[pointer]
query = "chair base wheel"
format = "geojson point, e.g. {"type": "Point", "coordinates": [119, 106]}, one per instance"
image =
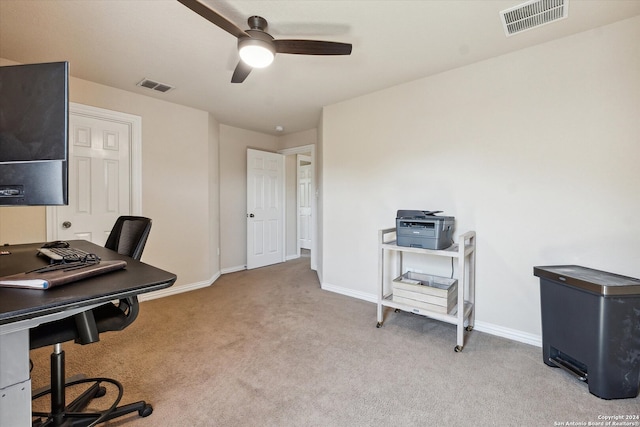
{"type": "Point", "coordinates": [101, 392]}
{"type": "Point", "coordinates": [74, 413]}
{"type": "Point", "coordinates": [146, 411]}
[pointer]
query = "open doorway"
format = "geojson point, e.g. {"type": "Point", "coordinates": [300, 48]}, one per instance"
{"type": "Point", "coordinates": [303, 193]}
{"type": "Point", "coordinates": [301, 203]}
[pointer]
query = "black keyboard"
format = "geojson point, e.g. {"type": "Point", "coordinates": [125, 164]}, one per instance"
{"type": "Point", "coordinates": [59, 254]}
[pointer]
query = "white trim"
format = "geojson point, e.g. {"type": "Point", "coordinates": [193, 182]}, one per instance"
{"type": "Point", "coordinates": [350, 293]}
{"type": "Point", "coordinates": [297, 216]}
{"type": "Point", "coordinates": [174, 290]}
{"type": "Point", "coordinates": [135, 151]}
{"type": "Point", "coordinates": [509, 333]}
{"type": "Point", "coordinates": [135, 128]}
{"type": "Point", "coordinates": [314, 214]}
{"type": "Point", "coordinates": [298, 150]}
{"type": "Point", "coordinates": [233, 269]}
{"type": "Point", "coordinates": [300, 158]}
{"type": "Point", "coordinates": [489, 328]}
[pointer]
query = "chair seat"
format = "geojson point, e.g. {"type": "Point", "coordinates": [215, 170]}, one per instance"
{"type": "Point", "coordinates": [107, 317]}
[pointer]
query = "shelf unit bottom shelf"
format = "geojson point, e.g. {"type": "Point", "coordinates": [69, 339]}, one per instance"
{"type": "Point", "coordinates": [451, 317]}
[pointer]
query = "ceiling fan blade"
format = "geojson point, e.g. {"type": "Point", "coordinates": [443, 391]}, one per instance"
{"type": "Point", "coordinates": [215, 17]}
{"type": "Point", "coordinates": [241, 72]}
{"type": "Point", "coordinates": [312, 47]}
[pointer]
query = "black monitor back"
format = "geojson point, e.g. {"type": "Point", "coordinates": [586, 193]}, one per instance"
{"type": "Point", "coordinates": [34, 134]}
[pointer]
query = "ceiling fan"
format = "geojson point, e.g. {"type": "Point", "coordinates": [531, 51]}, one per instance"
{"type": "Point", "coordinates": [257, 48]}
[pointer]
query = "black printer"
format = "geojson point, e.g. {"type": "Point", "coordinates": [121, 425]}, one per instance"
{"type": "Point", "coordinates": [423, 229]}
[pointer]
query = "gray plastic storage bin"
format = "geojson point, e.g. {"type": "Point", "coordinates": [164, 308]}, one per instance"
{"type": "Point", "coordinates": [591, 327]}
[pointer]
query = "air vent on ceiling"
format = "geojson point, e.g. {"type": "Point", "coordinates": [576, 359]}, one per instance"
{"type": "Point", "coordinates": [150, 84]}
{"type": "Point", "coordinates": [533, 14]}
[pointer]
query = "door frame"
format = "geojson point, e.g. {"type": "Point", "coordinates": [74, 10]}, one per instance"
{"type": "Point", "coordinates": [300, 158]}
{"type": "Point", "coordinates": [304, 149]}
{"type": "Point", "coordinates": [134, 123]}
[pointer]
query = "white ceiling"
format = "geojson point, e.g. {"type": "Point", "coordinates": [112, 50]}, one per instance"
{"type": "Point", "coordinates": [119, 42]}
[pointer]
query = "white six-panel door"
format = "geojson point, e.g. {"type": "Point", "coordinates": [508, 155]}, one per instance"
{"type": "Point", "coordinates": [265, 208]}
{"type": "Point", "coordinates": [99, 179]}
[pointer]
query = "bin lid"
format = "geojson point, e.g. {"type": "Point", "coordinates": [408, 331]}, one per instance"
{"type": "Point", "coordinates": [589, 279]}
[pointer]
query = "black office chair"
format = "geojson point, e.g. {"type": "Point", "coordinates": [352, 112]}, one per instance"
{"type": "Point", "coordinates": [128, 237]}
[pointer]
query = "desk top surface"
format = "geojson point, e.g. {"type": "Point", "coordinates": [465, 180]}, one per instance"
{"type": "Point", "coordinates": [19, 304]}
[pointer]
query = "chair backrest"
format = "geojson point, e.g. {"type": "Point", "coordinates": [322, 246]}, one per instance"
{"type": "Point", "coordinates": [129, 235]}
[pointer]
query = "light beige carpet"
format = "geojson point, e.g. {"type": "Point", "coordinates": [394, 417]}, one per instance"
{"type": "Point", "coordinates": [268, 347]}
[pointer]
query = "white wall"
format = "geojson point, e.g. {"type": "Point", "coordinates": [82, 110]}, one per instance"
{"type": "Point", "coordinates": [233, 191]}
{"type": "Point", "coordinates": [175, 177]}
{"type": "Point", "coordinates": [13, 219]}
{"type": "Point", "coordinates": [214, 197]}
{"type": "Point", "coordinates": [298, 139]}
{"type": "Point", "coordinates": [536, 150]}
{"type": "Point", "coordinates": [291, 206]}
{"type": "Point", "coordinates": [319, 171]}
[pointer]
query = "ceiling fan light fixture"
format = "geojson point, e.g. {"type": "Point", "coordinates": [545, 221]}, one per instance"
{"type": "Point", "coordinates": [257, 48]}
{"type": "Point", "coordinates": [256, 53]}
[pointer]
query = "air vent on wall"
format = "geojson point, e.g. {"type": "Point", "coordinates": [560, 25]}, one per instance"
{"type": "Point", "coordinates": [533, 14]}
{"type": "Point", "coordinates": [150, 84]}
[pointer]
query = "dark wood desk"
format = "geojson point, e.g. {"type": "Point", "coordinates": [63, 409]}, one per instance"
{"type": "Point", "coordinates": [22, 309]}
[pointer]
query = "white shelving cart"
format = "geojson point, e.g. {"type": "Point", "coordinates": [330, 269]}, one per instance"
{"type": "Point", "coordinates": [464, 251]}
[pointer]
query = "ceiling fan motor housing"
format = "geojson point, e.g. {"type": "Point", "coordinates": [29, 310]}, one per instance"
{"type": "Point", "coordinates": [257, 23]}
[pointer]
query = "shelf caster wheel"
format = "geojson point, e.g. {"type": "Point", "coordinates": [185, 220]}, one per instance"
{"type": "Point", "coordinates": [379, 325]}
{"type": "Point", "coordinates": [457, 348]}
{"type": "Point", "coordinates": [146, 411]}
{"type": "Point", "coordinates": [469, 328]}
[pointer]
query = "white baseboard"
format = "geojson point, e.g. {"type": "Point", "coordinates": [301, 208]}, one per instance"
{"type": "Point", "coordinates": [489, 328]}
{"type": "Point", "coordinates": [512, 334]}
{"type": "Point", "coordinates": [233, 269]}
{"type": "Point", "coordinates": [244, 267]}
{"type": "Point", "coordinates": [349, 292]}
{"type": "Point", "coordinates": [174, 290]}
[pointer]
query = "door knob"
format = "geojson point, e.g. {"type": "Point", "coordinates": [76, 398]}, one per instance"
{"type": "Point", "coordinates": [66, 224]}
{"type": "Point", "coordinates": [251, 215]}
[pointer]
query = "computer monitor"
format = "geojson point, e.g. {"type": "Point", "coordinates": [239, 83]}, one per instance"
{"type": "Point", "coordinates": [34, 123]}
